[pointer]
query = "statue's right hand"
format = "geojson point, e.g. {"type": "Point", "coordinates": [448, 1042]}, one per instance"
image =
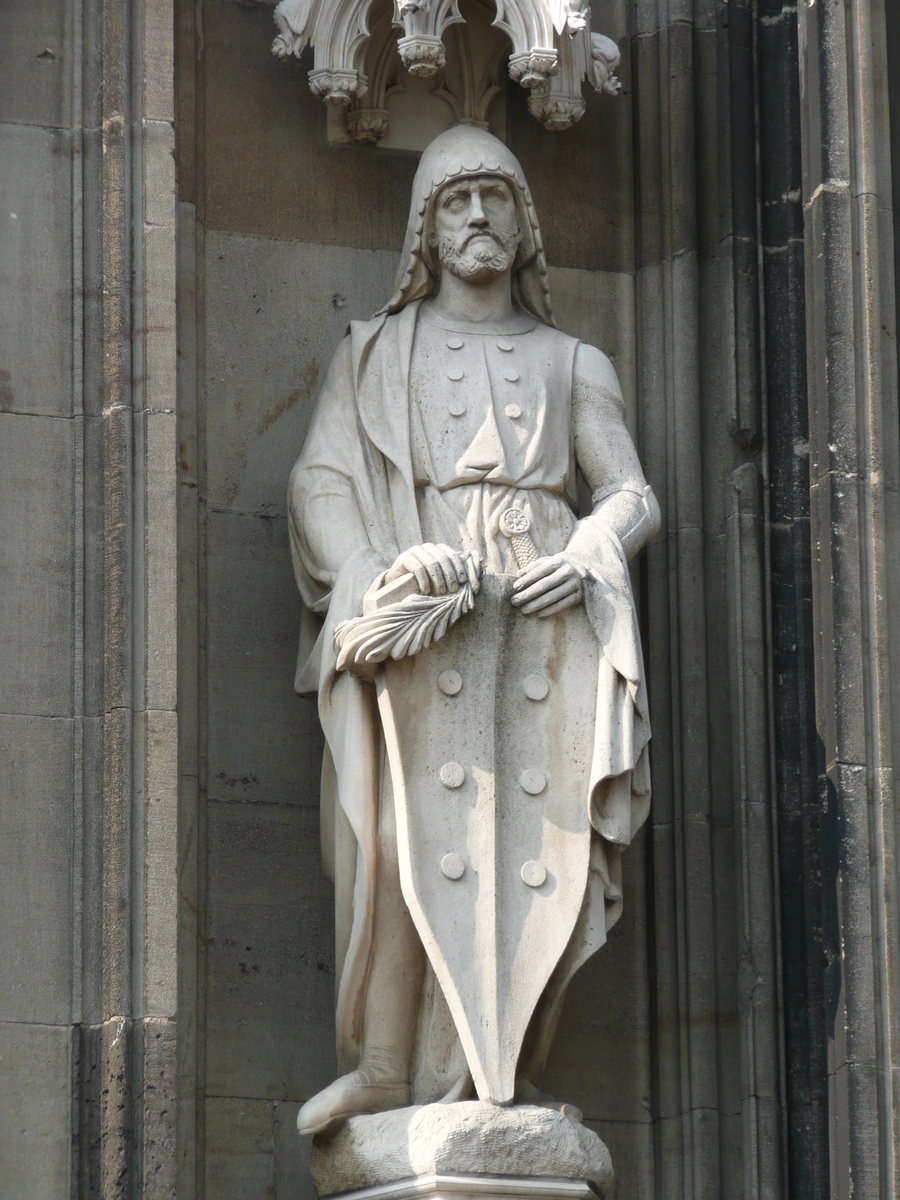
{"type": "Point", "coordinates": [438, 568]}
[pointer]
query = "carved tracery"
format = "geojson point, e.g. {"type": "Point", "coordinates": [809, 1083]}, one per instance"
{"type": "Point", "coordinates": [359, 45]}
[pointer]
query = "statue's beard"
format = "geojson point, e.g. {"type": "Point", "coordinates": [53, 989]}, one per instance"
{"type": "Point", "coordinates": [477, 258]}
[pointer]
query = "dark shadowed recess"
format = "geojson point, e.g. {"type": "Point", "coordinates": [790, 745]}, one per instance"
{"type": "Point", "coordinates": [892, 20]}
{"type": "Point", "coordinates": [801, 826]}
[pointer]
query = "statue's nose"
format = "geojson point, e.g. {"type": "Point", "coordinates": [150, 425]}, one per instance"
{"type": "Point", "coordinates": [476, 212]}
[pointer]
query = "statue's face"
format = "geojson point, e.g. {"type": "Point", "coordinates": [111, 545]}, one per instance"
{"type": "Point", "coordinates": [476, 227]}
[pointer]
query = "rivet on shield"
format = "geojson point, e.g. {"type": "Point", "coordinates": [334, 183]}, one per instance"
{"type": "Point", "coordinates": [532, 873]}
{"type": "Point", "coordinates": [452, 775]}
{"type": "Point", "coordinates": [532, 781]}
{"type": "Point", "coordinates": [453, 866]}
{"type": "Point", "coordinates": [449, 682]}
{"type": "Point", "coordinates": [536, 686]}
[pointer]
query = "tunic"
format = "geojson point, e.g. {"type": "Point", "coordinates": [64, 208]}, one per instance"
{"type": "Point", "coordinates": [490, 430]}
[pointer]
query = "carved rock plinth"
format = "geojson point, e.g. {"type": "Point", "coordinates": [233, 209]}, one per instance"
{"type": "Point", "coordinates": [471, 1149]}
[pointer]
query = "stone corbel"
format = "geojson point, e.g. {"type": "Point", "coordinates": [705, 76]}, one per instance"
{"type": "Point", "coordinates": [552, 52]}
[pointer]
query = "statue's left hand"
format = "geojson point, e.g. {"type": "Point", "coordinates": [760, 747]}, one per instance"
{"type": "Point", "coordinates": [548, 586]}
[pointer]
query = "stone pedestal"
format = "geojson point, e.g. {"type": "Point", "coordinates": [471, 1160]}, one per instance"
{"type": "Point", "coordinates": [470, 1149]}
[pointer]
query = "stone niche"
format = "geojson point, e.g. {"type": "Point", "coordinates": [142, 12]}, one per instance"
{"type": "Point", "coordinates": [294, 238]}
{"type": "Point", "coordinates": [399, 72]}
{"type": "Point", "coordinates": [403, 111]}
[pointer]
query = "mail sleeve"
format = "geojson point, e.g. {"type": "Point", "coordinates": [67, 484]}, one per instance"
{"type": "Point", "coordinates": [623, 502]}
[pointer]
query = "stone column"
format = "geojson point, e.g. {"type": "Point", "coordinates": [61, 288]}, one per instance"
{"type": "Point", "coordinates": [852, 367]}
{"type": "Point", "coordinates": [89, 931]}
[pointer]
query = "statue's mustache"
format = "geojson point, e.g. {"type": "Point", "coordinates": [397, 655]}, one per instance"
{"type": "Point", "coordinates": [482, 233]}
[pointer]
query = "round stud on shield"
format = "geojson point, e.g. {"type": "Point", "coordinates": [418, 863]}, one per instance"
{"type": "Point", "coordinates": [536, 686]}
{"type": "Point", "coordinates": [450, 682]}
{"type": "Point", "coordinates": [533, 873]}
{"type": "Point", "coordinates": [453, 866]}
{"type": "Point", "coordinates": [452, 775]}
{"type": "Point", "coordinates": [532, 781]}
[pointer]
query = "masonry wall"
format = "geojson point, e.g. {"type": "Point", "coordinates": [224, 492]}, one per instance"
{"type": "Point", "coordinates": [724, 231]}
{"type": "Point", "coordinates": [39, 433]}
{"type": "Point", "coordinates": [88, 804]}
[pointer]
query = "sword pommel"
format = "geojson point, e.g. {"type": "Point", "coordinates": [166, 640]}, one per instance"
{"type": "Point", "coordinates": [516, 525]}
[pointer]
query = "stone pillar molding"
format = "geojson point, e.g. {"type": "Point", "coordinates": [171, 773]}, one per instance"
{"type": "Point", "coordinates": [853, 447]}
{"type": "Point", "coordinates": [126, 1064]}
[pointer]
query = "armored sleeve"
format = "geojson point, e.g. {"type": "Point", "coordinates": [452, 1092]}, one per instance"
{"type": "Point", "coordinates": [622, 500]}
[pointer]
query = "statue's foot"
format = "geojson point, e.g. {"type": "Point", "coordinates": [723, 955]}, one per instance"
{"type": "Point", "coordinates": [527, 1093]}
{"type": "Point", "coordinates": [365, 1090]}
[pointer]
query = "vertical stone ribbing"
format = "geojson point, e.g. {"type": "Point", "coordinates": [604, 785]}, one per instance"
{"type": "Point", "coordinates": [757, 928]}
{"type": "Point", "coordinates": [190, 98]}
{"type": "Point", "coordinates": [125, 1066]}
{"type": "Point", "coordinates": [686, 1089]}
{"type": "Point", "coordinates": [116, 566]}
{"type": "Point", "coordinates": [718, 1052]}
{"type": "Point", "coordinates": [799, 822]}
{"type": "Point", "coordinates": [856, 543]}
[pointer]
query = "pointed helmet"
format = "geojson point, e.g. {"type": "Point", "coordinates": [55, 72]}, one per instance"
{"type": "Point", "coordinates": [461, 152]}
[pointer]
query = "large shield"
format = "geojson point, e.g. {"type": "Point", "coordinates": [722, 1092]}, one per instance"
{"type": "Point", "coordinates": [489, 737]}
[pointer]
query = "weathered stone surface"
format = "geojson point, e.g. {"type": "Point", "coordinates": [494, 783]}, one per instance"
{"type": "Point", "coordinates": [35, 1116]}
{"type": "Point", "coordinates": [160, 559]}
{"type": "Point", "coordinates": [598, 308]}
{"type": "Point", "coordinates": [468, 1138]}
{"type": "Point", "coordinates": [36, 846]}
{"type": "Point", "coordinates": [269, 170]}
{"type": "Point", "coordinates": [240, 1149]}
{"type": "Point", "coordinates": [36, 284]}
{"type": "Point", "coordinates": [270, 1025]}
{"type": "Point", "coordinates": [293, 1180]}
{"type": "Point", "coordinates": [590, 224]}
{"type": "Point", "coordinates": [36, 565]}
{"type": "Point", "coordinates": [35, 66]}
{"type": "Point", "coordinates": [254, 617]}
{"type": "Point", "coordinates": [604, 1034]}
{"type": "Point", "coordinates": [159, 1150]}
{"type": "Point", "coordinates": [631, 1148]}
{"type": "Point", "coordinates": [160, 808]}
{"type": "Point", "coordinates": [264, 365]}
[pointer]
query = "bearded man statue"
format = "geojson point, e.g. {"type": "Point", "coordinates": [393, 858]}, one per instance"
{"type": "Point", "coordinates": [474, 648]}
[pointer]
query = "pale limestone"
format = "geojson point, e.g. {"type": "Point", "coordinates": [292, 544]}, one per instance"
{"type": "Point", "coordinates": [35, 1121]}
{"type": "Point", "coordinates": [35, 904]}
{"type": "Point", "coordinates": [263, 364]}
{"type": "Point", "coordinates": [36, 280]}
{"type": "Point", "coordinates": [469, 1138]}
{"type": "Point", "coordinates": [507, 899]}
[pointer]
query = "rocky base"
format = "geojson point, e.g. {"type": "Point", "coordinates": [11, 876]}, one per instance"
{"type": "Point", "coordinates": [470, 1138]}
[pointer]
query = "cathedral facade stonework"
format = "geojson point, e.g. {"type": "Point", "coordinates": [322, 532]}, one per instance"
{"type": "Point", "coordinates": [535, 368]}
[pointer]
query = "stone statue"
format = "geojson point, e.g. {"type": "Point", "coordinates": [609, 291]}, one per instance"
{"type": "Point", "coordinates": [476, 652]}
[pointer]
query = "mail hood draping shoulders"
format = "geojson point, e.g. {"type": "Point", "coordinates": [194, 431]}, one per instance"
{"type": "Point", "coordinates": [461, 152]}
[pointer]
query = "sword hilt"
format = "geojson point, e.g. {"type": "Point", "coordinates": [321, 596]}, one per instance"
{"type": "Point", "coordinates": [516, 525]}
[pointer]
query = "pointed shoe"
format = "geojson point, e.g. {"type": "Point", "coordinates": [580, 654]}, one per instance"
{"type": "Point", "coordinates": [348, 1096]}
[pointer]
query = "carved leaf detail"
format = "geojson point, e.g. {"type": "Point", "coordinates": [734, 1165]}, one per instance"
{"type": "Point", "coordinates": [400, 629]}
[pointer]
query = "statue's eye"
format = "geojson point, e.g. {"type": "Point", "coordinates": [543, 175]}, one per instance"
{"type": "Point", "coordinates": [457, 203]}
